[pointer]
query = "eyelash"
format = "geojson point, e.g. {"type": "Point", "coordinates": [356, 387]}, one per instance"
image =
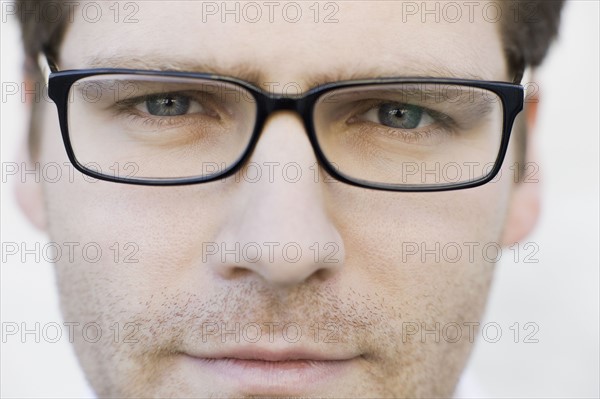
{"type": "Point", "coordinates": [444, 124]}
{"type": "Point", "coordinates": [126, 109]}
{"type": "Point", "coordinates": [413, 136]}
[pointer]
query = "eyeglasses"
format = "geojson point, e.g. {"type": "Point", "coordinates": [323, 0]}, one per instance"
{"type": "Point", "coordinates": [167, 128]}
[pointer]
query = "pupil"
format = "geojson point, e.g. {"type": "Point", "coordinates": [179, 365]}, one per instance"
{"type": "Point", "coordinates": [168, 105]}
{"type": "Point", "coordinates": [401, 116]}
{"type": "Point", "coordinates": [398, 113]}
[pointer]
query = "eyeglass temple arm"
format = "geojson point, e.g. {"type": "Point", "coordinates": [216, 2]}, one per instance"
{"type": "Point", "coordinates": [46, 66]}
{"type": "Point", "coordinates": [519, 76]}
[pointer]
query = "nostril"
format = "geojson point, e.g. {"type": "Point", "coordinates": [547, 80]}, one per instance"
{"type": "Point", "coordinates": [322, 275]}
{"type": "Point", "coordinates": [235, 272]}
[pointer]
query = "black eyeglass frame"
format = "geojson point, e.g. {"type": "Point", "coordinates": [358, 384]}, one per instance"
{"type": "Point", "coordinates": [60, 83]}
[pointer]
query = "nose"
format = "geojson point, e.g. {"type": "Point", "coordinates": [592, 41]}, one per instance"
{"type": "Point", "coordinates": [278, 226]}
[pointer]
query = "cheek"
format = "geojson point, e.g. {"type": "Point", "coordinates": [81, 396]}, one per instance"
{"type": "Point", "coordinates": [419, 247]}
{"type": "Point", "coordinates": [145, 237]}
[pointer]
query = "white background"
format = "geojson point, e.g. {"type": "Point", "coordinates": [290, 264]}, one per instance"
{"type": "Point", "coordinates": [559, 294]}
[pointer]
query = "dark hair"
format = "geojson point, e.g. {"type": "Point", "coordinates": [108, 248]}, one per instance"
{"type": "Point", "coordinates": [528, 28]}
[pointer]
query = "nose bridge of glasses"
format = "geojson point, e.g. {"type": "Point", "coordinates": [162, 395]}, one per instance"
{"type": "Point", "coordinates": [283, 103]}
{"type": "Point", "coordinates": [298, 104]}
{"type": "Point", "coordinates": [275, 103]}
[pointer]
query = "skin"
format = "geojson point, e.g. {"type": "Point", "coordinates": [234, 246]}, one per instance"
{"type": "Point", "coordinates": [367, 295]}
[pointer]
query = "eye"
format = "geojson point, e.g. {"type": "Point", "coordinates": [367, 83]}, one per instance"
{"type": "Point", "coordinates": [169, 105]}
{"type": "Point", "coordinates": [399, 116]}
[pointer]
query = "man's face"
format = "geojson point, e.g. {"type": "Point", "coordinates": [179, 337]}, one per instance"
{"type": "Point", "coordinates": [330, 306]}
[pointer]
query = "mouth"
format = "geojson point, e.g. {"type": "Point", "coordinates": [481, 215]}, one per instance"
{"type": "Point", "coordinates": [273, 373]}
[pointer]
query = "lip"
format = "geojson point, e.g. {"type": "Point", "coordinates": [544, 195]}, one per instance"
{"type": "Point", "coordinates": [252, 371]}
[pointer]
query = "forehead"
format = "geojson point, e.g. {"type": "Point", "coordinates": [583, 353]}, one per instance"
{"type": "Point", "coordinates": [281, 42]}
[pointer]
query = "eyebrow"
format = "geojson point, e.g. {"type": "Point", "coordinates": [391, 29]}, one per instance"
{"type": "Point", "coordinates": [239, 71]}
{"type": "Point", "coordinates": [254, 76]}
